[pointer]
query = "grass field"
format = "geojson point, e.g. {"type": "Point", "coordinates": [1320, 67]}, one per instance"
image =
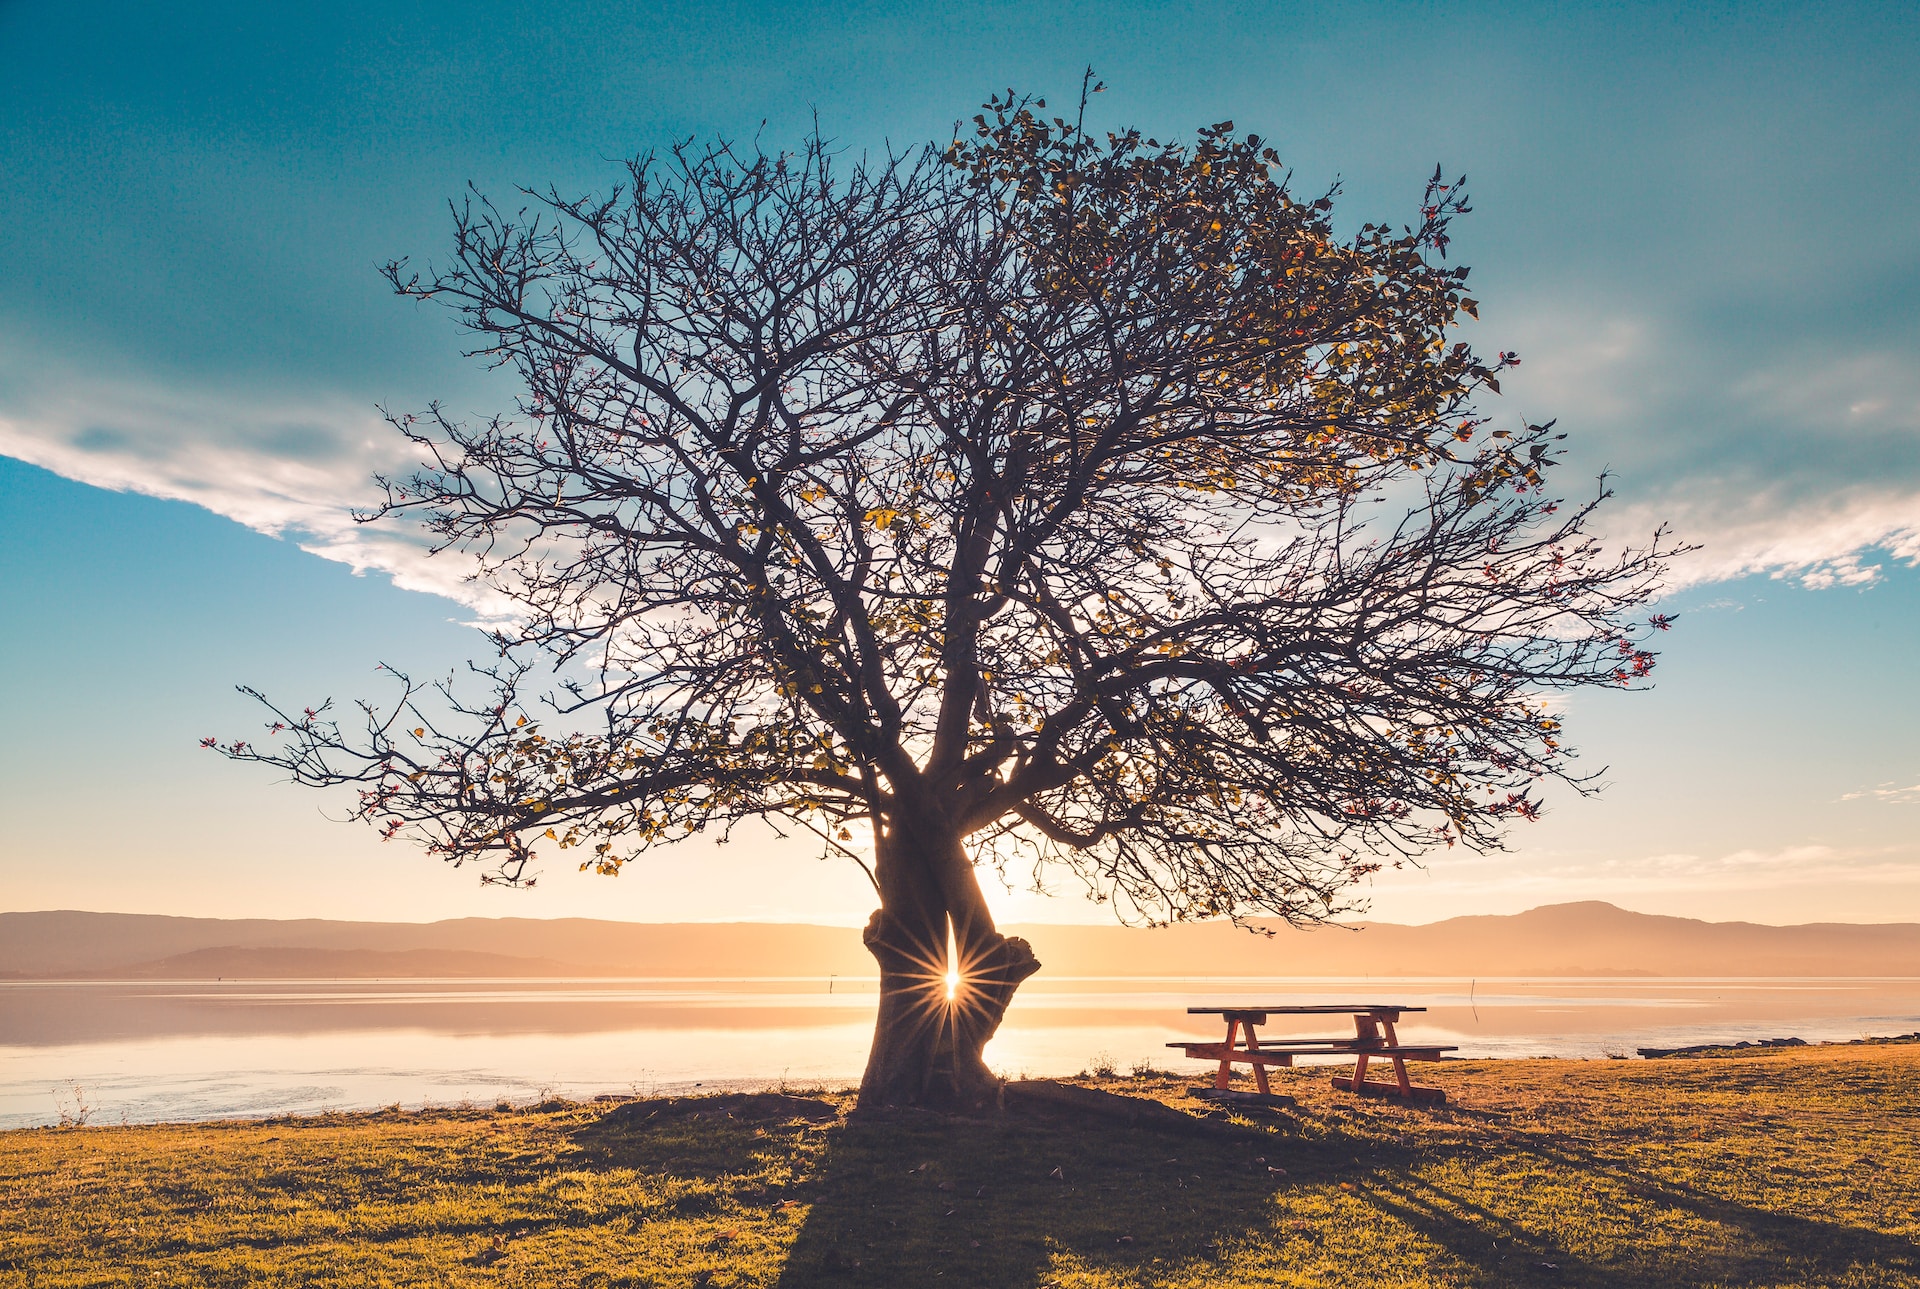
{"type": "Point", "coordinates": [1793, 1168]}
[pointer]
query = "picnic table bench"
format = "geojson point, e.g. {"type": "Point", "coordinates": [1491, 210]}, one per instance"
{"type": "Point", "coordinates": [1373, 1036]}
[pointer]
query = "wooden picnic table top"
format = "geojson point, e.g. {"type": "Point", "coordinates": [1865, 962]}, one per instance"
{"type": "Point", "coordinates": [1314, 1009]}
{"type": "Point", "coordinates": [1313, 1047]}
{"type": "Point", "coordinates": [1290, 1044]}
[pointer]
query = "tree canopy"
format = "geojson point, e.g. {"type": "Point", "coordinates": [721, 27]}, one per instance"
{"type": "Point", "coordinates": [1065, 503]}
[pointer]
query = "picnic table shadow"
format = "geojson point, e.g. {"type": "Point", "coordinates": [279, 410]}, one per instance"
{"type": "Point", "coordinates": [898, 1197]}
{"type": "Point", "coordinates": [1819, 1249]}
{"type": "Point", "coordinates": [1503, 1251]}
{"type": "Point", "coordinates": [1495, 1248]}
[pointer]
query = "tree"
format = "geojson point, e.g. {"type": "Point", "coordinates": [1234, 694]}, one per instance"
{"type": "Point", "coordinates": [1045, 502]}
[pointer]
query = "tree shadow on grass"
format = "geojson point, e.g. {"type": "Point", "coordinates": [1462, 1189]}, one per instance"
{"type": "Point", "coordinates": [900, 1198]}
{"type": "Point", "coordinates": [1020, 1199]}
{"type": "Point", "coordinates": [702, 1138]}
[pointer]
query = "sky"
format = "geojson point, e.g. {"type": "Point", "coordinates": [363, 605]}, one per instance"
{"type": "Point", "coordinates": [1696, 224]}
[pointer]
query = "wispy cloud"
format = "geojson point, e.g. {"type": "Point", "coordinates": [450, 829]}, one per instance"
{"type": "Point", "coordinates": [1890, 792]}
{"type": "Point", "coordinates": [1584, 877]}
{"type": "Point", "coordinates": [1808, 471]}
{"type": "Point", "coordinates": [1796, 464]}
{"type": "Point", "coordinates": [1842, 539]}
{"type": "Point", "coordinates": [291, 468]}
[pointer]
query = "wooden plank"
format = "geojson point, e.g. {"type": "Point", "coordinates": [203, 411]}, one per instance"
{"type": "Point", "coordinates": [1241, 1055]}
{"type": "Point", "coordinates": [1411, 1053]}
{"type": "Point", "coordinates": [1312, 1009]}
{"type": "Point", "coordinates": [1273, 1055]}
{"type": "Point", "coordinates": [1215, 1051]}
{"type": "Point", "coordinates": [1337, 1044]}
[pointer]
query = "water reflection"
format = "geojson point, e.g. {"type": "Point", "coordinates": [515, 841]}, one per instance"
{"type": "Point", "coordinates": [174, 1050]}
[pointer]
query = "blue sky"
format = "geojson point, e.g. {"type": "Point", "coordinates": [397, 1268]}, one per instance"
{"type": "Point", "coordinates": [1696, 224]}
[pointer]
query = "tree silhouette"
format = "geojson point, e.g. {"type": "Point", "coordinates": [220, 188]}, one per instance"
{"type": "Point", "coordinates": [1049, 502]}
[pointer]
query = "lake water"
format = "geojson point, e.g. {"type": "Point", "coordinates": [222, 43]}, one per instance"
{"type": "Point", "coordinates": [161, 1050]}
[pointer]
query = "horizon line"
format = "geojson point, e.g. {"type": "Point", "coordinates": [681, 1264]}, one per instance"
{"type": "Point", "coordinates": [855, 926]}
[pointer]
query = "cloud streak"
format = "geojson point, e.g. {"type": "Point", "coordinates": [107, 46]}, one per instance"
{"type": "Point", "coordinates": [1842, 539]}
{"type": "Point", "coordinates": [1889, 792]}
{"type": "Point", "coordinates": [1505, 877]}
{"type": "Point", "coordinates": [1808, 472]}
{"type": "Point", "coordinates": [289, 468]}
{"type": "Point", "coordinates": [1800, 466]}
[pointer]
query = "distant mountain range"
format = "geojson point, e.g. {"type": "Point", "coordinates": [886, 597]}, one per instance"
{"type": "Point", "coordinates": [1584, 939]}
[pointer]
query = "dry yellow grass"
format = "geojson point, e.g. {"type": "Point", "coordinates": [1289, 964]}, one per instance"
{"type": "Point", "coordinates": [1792, 1168]}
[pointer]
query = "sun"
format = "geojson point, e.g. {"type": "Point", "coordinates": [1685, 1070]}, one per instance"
{"type": "Point", "coordinates": [953, 965]}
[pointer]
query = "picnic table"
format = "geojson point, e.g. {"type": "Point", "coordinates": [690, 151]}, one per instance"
{"type": "Point", "coordinates": [1373, 1036]}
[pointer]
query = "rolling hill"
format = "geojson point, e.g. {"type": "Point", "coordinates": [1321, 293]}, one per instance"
{"type": "Point", "coordinates": [1589, 938]}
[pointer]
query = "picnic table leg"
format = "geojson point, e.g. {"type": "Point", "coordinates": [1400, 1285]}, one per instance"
{"type": "Point", "coordinates": [1224, 1079]}
{"type": "Point", "coordinates": [1259, 1070]}
{"type": "Point", "coordinates": [1366, 1034]}
{"type": "Point", "coordinates": [1399, 1062]}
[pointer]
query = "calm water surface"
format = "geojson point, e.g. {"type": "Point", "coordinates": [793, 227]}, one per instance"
{"type": "Point", "coordinates": [164, 1050]}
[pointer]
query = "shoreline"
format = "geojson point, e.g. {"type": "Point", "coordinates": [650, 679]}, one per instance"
{"type": "Point", "coordinates": [725, 1086]}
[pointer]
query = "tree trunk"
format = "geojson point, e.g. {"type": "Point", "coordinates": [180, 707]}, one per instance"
{"type": "Point", "coordinates": [927, 1042]}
